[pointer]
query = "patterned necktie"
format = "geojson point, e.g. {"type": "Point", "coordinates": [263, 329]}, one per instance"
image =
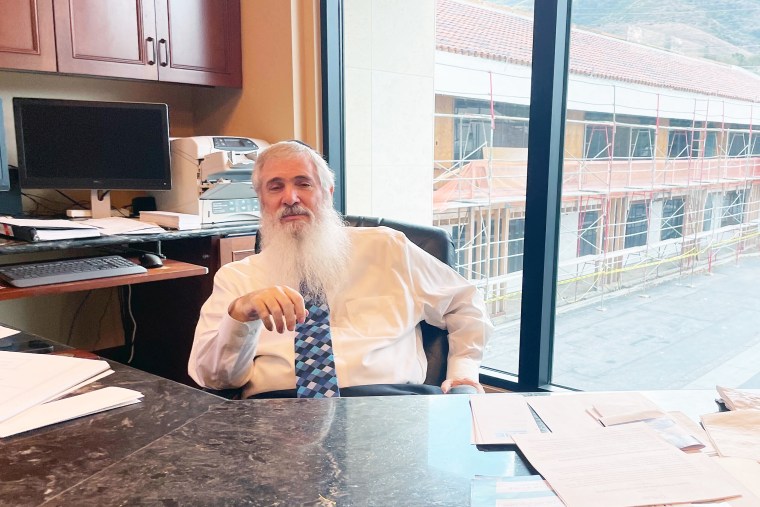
{"type": "Point", "coordinates": [315, 364]}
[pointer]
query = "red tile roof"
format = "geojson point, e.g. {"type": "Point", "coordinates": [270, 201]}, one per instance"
{"type": "Point", "coordinates": [482, 31]}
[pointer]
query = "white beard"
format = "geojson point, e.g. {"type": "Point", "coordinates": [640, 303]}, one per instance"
{"type": "Point", "coordinates": [313, 254]}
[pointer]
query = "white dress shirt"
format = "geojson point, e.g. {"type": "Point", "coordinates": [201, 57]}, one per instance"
{"type": "Point", "coordinates": [391, 285]}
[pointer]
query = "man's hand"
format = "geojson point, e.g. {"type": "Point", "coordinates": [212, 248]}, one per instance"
{"type": "Point", "coordinates": [448, 384]}
{"type": "Point", "coordinates": [278, 307]}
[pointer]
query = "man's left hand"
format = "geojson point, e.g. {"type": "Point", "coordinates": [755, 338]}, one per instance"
{"type": "Point", "coordinates": [448, 384]}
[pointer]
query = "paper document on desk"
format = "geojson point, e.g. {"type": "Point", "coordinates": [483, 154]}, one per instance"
{"type": "Point", "coordinates": [121, 225]}
{"type": "Point", "coordinates": [574, 412]}
{"type": "Point", "coordinates": [517, 491]}
{"type": "Point", "coordinates": [736, 399]}
{"type": "Point", "coordinates": [496, 417]}
{"type": "Point", "coordinates": [27, 380]}
{"type": "Point", "coordinates": [624, 465]}
{"type": "Point", "coordinates": [6, 331]}
{"type": "Point", "coordinates": [735, 433]}
{"type": "Point", "coordinates": [69, 408]}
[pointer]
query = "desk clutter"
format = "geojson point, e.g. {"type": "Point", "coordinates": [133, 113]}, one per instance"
{"type": "Point", "coordinates": [37, 229]}
{"type": "Point", "coordinates": [34, 389]}
{"type": "Point", "coordinates": [620, 448]}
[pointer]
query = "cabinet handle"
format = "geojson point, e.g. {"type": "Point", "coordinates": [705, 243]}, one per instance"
{"type": "Point", "coordinates": [151, 47]}
{"type": "Point", "coordinates": [163, 53]}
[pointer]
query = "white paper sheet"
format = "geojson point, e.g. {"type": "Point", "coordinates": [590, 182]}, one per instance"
{"type": "Point", "coordinates": [623, 465]}
{"type": "Point", "coordinates": [6, 331]}
{"type": "Point", "coordinates": [735, 434]}
{"type": "Point", "coordinates": [496, 417]}
{"type": "Point", "coordinates": [27, 380]}
{"type": "Point", "coordinates": [69, 408]}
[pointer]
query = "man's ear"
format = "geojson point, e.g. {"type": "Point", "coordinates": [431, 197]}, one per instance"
{"type": "Point", "coordinates": [332, 190]}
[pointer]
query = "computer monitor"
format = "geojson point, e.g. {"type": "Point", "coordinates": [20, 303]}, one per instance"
{"type": "Point", "coordinates": [96, 146]}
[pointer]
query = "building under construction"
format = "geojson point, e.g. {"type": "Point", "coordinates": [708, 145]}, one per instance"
{"type": "Point", "coordinates": [661, 174]}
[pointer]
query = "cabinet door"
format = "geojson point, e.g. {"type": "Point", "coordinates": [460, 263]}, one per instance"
{"type": "Point", "coordinates": [27, 39]}
{"type": "Point", "coordinates": [235, 248]}
{"type": "Point", "coordinates": [115, 38]}
{"type": "Point", "coordinates": [199, 42]}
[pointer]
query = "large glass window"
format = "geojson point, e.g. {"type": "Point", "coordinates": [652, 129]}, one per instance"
{"type": "Point", "coordinates": [672, 207]}
{"type": "Point", "coordinates": [661, 163]}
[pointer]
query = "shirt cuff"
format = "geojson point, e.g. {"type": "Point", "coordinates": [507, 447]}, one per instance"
{"type": "Point", "coordinates": [237, 331]}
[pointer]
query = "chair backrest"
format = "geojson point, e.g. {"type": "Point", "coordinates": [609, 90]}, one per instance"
{"type": "Point", "coordinates": [438, 243]}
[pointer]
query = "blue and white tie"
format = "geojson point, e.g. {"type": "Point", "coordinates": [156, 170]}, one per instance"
{"type": "Point", "coordinates": [315, 363]}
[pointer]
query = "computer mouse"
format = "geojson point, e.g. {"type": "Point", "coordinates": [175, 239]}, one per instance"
{"type": "Point", "coordinates": [149, 260]}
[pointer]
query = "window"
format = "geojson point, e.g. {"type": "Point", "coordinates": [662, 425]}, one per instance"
{"type": "Point", "coordinates": [679, 143]}
{"type": "Point", "coordinates": [472, 127]}
{"type": "Point", "coordinates": [637, 225]}
{"type": "Point", "coordinates": [733, 208]}
{"type": "Point", "coordinates": [598, 141]}
{"type": "Point", "coordinates": [672, 219]}
{"type": "Point", "coordinates": [708, 212]}
{"type": "Point", "coordinates": [589, 223]}
{"type": "Point", "coordinates": [515, 245]}
{"type": "Point", "coordinates": [738, 144]}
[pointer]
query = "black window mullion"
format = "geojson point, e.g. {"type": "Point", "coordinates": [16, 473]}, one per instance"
{"type": "Point", "coordinates": [331, 28]}
{"type": "Point", "coordinates": [551, 39]}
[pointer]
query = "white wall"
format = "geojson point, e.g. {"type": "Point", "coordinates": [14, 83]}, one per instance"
{"type": "Point", "coordinates": [389, 107]}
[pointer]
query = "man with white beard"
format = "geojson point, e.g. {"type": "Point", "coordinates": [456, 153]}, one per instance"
{"type": "Point", "coordinates": [377, 284]}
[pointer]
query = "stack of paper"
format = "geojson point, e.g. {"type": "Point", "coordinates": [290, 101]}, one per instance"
{"type": "Point", "coordinates": [181, 221]}
{"type": "Point", "coordinates": [45, 230]}
{"type": "Point", "coordinates": [28, 382]}
{"type": "Point", "coordinates": [624, 465]}
{"type": "Point", "coordinates": [122, 225]}
{"type": "Point", "coordinates": [736, 399]}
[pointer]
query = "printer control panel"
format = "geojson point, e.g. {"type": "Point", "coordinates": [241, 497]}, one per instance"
{"type": "Point", "coordinates": [234, 144]}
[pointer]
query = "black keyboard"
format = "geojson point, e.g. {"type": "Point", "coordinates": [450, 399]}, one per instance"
{"type": "Point", "coordinates": [67, 270]}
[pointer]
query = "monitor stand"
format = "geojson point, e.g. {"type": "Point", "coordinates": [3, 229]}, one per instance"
{"type": "Point", "coordinates": [100, 206]}
{"type": "Point", "coordinates": [100, 203]}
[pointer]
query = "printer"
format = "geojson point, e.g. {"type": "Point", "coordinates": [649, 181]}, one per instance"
{"type": "Point", "coordinates": [211, 177]}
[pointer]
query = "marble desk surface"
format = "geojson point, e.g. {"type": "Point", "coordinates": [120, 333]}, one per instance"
{"type": "Point", "coordinates": [182, 446]}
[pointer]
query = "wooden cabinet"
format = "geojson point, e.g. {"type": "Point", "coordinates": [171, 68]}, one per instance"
{"type": "Point", "coordinates": [180, 41]}
{"type": "Point", "coordinates": [27, 40]}
{"type": "Point", "coordinates": [235, 248]}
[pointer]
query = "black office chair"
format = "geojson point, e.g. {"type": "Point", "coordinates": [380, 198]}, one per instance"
{"type": "Point", "coordinates": [437, 242]}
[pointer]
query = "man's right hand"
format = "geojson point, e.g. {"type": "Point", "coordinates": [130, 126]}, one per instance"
{"type": "Point", "coordinates": [278, 307]}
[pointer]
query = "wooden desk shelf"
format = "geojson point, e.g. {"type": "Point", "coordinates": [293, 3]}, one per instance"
{"type": "Point", "coordinates": [170, 270]}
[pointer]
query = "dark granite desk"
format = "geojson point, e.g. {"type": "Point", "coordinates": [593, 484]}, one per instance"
{"type": "Point", "coordinates": [181, 446]}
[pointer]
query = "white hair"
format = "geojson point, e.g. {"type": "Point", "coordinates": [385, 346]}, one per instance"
{"type": "Point", "coordinates": [293, 149]}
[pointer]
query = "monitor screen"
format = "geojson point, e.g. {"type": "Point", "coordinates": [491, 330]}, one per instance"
{"type": "Point", "coordinates": [69, 144]}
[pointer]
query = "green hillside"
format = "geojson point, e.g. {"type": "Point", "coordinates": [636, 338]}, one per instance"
{"type": "Point", "coordinates": [719, 30]}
